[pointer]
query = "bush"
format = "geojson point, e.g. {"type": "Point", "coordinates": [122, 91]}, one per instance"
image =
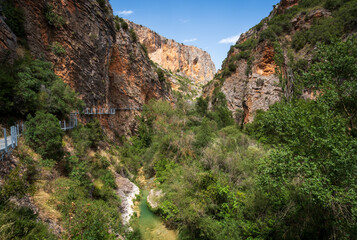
{"type": "Point", "coordinates": [242, 55]}
{"type": "Point", "coordinates": [39, 88]}
{"type": "Point", "coordinates": [124, 24]}
{"type": "Point", "coordinates": [133, 35]}
{"type": "Point", "coordinates": [57, 49]}
{"type": "Point", "coordinates": [22, 223]}
{"type": "Point", "coordinates": [308, 136]}
{"type": "Point", "coordinates": [15, 18]}
{"type": "Point", "coordinates": [117, 23]}
{"type": "Point", "coordinates": [52, 17]}
{"type": "Point", "coordinates": [161, 75]}
{"type": "Point", "coordinates": [202, 106]}
{"type": "Point", "coordinates": [44, 135]}
{"type": "Point", "coordinates": [267, 35]}
{"type": "Point", "coordinates": [103, 5]}
{"type": "Point", "coordinates": [225, 73]}
{"type": "Point", "coordinates": [249, 44]}
{"type": "Point", "coordinates": [232, 67]}
{"type": "Point", "coordinates": [299, 40]}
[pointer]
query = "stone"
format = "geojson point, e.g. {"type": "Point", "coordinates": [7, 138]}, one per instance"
{"type": "Point", "coordinates": [192, 62]}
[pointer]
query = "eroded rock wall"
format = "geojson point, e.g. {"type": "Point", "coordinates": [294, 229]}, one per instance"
{"type": "Point", "coordinates": [193, 62]}
{"type": "Point", "coordinates": [253, 83]}
{"type": "Point", "coordinates": [105, 66]}
{"type": "Point", "coordinates": [8, 41]}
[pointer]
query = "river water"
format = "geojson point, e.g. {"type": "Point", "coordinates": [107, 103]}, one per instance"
{"type": "Point", "coordinates": [150, 225]}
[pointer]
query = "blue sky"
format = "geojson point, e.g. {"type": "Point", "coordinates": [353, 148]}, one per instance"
{"type": "Point", "coordinates": [212, 25]}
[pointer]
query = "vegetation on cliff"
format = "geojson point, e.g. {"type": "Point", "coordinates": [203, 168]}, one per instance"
{"type": "Point", "coordinates": [69, 179]}
{"type": "Point", "coordinates": [290, 174]}
{"type": "Point", "coordinates": [296, 181]}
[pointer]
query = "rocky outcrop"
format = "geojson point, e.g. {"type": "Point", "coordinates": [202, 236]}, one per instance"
{"type": "Point", "coordinates": [256, 91]}
{"type": "Point", "coordinates": [104, 65]}
{"type": "Point", "coordinates": [286, 4]}
{"type": "Point", "coordinates": [250, 79]}
{"type": "Point", "coordinates": [127, 192]}
{"type": "Point", "coordinates": [153, 198]}
{"type": "Point", "coordinates": [193, 62]}
{"type": "Point", "coordinates": [8, 41]}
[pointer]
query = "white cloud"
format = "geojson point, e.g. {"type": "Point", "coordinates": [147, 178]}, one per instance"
{"type": "Point", "coordinates": [190, 40]}
{"type": "Point", "coordinates": [124, 13]}
{"type": "Point", "coordinates": [230, 40]}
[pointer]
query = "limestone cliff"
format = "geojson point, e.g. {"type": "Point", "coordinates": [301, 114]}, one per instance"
{"type": "Point", "coordinates": [102, 63]}
{"type": "Point", "coordinates": [8, 41]}
{"type": "Point", "coordinates": [192, 62]}
{"type": "Point", "coordinates": [251, 76]}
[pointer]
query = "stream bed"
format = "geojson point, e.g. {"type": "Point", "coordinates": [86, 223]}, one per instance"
{"type": "Point", "coordinates": [150, 225]}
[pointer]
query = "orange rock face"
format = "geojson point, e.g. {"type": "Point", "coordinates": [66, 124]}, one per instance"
{"type": "Point", "coordinates": [8, 42]}
{"type": "Point", "coordinates": [193, 62]}
{"type": "Point", "coordinates": [266, 66]}
{"type": "Point", "coordinates": [255, 84]}
{"type": "Point", "coordinates": [103, 65]}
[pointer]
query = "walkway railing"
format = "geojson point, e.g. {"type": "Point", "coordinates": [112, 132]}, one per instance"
{"type": "Point", "coordinates": [9, 142]}
{"type": "Point", "coordinates": [72, 123]}
{"type": "Point", "coordinates": [110, 111]}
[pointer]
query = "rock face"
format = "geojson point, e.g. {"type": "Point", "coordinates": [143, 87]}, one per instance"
{"type": "Point", "coordinates": [154, 198]}
{"type": "Point", "coordinates": [104, 65]}
{"type": "Point", "coordinates": [8, 41]}
{"type": "Point", "coordinates": [193, 62]}
{"type": "Point", "coordinates": [256, 91]}
{"type": "Point", "coordinates": [127, 192]}
{"type": "Point", "coordinates": [252, 83]}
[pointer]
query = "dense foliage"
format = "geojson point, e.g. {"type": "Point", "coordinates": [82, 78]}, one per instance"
{"type": "Point", "coordinates": [44, 134]}
{"type": "Point", "coordinates": [14, 17]}
{"type": "Point", "coordinates": [220, 184]}
{"type": "Point", "coordinates": [31, 85]}
{"type": "Point", "coordinates": [310, 178]}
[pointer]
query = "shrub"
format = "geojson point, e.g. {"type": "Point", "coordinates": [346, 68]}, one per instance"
{"type": "Point", "coordinates": [44, 135]}
{"type": "Point", "coordinates": [161, 75]}
{"type": "Point", "coordinates": [133, 35]}
{"type": "Point", "coordinates": [202, 106]}
{"type": "Point", "coordinates": [124, 24]}
{"type": "Point", "coordinates": [117, 23]}
{"type": "Point", "coordinates": [103, 5]}
{"type": "Point", "coordinates": [332, 4]}
{"type": "Point", "coordinates": [225, 73]}
{"type": "Point", "coordinates": [90, 220]}
{"type": "Point", "coordinates": [249, 44]}
{"type": "Point", "coordinates": [232, 67]}
{"type": "Point", "coordinates": [241, 55]}
{"type": "Point", "coordinates": [22, 223]}
{"type": "Point", "coordinates": [299, 40]}
{"type": "Point", "coordinates": [95, 132]}
{"type": "Point", "coordinates": [14, 18]}
{"type": "Point", "coordinates": [267, 35]}
{"type": "Point", "coordinates": [52, 17]}
{"type": "Point", "coordinates": [57, 49]}
{"type": "Point", "coordinates": [39, 88]}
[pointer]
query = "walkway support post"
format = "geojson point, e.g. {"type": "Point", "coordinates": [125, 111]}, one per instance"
{"type": "Point", "coordinates": [5, 140]}
{"type": "Point", "coordinates": [16, 130]}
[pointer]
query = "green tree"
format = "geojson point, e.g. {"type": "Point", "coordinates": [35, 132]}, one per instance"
{"type": "Point", "coordinates": [43, 133]}
{"type": "Point", "coordinates": [334, 74]}
{"type": "Point", "coordinates": [202, 106]}
{"type": "Point", "coordinates": [39, 88]}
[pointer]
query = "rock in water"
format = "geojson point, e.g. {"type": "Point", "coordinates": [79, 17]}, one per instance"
{"type": "Point", "coordinates": [127, 192]}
